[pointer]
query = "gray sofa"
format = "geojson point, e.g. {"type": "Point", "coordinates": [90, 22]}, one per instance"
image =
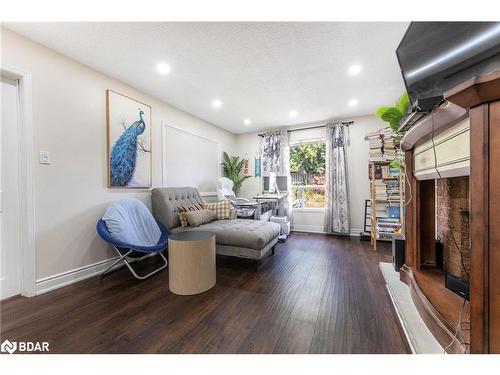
{"type": "Point", "coordinates": [242, 238]}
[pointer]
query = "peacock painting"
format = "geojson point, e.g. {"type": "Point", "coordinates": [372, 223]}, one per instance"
{"type": "Point", "coordinates": [129, 140]}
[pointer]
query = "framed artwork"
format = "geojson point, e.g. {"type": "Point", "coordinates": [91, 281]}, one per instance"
{"type": "Point", "coordinates": [129, 141]}
{"type": "Point", "coordinates": [257, 166]}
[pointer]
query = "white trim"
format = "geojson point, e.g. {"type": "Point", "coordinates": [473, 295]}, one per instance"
{"type": "Point", "coordinates": [26, 178]}
{"type": "Point", "coordinates": [164, 126]}
{"type": "Point", "coordinates": [319, 229]}
{"type": "Point", "coordinates": [307, 141]}
{"type": "Point", "coordinates": [355, 232]}
{"type": "Point", "coordinates": [317, 210]}
{"type": "Point", "coordinates": [49, 283]}
{"type": "Point", "coordinates": [308, 228]}
{"type": "Point", "coordinates": [66, 278]}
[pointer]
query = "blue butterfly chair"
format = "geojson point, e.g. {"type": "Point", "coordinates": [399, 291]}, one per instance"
{"type": "Point", "coordinates": [137, 253]}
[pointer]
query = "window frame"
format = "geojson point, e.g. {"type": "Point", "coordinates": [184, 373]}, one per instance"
{"type": "Point", "coordinates": [308, 187]}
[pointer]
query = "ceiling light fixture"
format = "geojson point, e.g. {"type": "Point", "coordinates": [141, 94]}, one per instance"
{"type": "Point", "coordinates": [353, 102]}
{"type": "Point", "coordinates": [354, 70]}
{"type": "Point", "coordinates": [163, 68]}
{"type": "Point", "coordinates": [293, 113]}
{"type": "Point", "coordinates": [216, 103]}
{"type": "Point", "coordinates": [247, 121]}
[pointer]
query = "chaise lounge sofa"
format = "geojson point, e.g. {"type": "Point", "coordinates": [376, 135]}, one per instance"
{"type": "Point", "coordinates": [242, 238]}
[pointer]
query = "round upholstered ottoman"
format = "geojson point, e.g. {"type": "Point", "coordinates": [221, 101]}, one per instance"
{"type": "Point", "coordinates": [191, 262]}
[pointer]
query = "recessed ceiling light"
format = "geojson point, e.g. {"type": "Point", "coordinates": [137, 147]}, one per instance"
{"type": "Point", "coordinates": [163, 68]}
{"type": "Point", "coordinates": [216, 103]}
{"type": "Point", "coordinates": [293, 113]}
{"type": "Point", "coordinates": [353, 102]}
{"type": "Point", "coordinates": [354, 70]}
{"type": "Point", "coordinates": [247, 121]}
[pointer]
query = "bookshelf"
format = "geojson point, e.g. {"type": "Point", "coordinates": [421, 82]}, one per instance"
{"type": "Point", "coordinates": [386, 188]}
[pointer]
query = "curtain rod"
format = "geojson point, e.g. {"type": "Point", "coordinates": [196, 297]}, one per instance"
{"type": "Point", "coordinates": [347, 123]}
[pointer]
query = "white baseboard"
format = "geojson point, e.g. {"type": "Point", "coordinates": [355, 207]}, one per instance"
{"type": "Point", "coordinates": [356, 232]}
{"type": "Point", "coordinates": [319, 229]}
{"type": "Point", "coordinates": [308, 228]}
{"type": "Point", "coordinates": [50, 283]}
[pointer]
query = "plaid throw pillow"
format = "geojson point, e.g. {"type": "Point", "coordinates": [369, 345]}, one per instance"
{"type": "Point", "coordinates": [182, 209]}
{"type": "Point", "coordinates": [222, 208]}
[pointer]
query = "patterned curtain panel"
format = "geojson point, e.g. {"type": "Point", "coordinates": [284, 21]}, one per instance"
{"type": "Point", "coordinates": [337, 215]}
{"type": "Point", "coordinates": [275, 156]}
{"type": "Point", "coordinates": [272, 145]}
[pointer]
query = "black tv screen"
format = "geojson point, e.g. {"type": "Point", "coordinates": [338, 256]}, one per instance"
{"type": "Point", "coordinates": [437, 56]}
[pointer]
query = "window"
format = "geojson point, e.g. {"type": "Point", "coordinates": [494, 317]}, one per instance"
{"type": "Point", "coordinates": [307, 167]}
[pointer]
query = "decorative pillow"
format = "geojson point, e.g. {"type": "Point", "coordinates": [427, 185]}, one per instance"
{"type": "Point", "coordinates": [232, 199]}
{"type": "Point", "coordinates": [222, 208]}
{"type": "Point", "coordinates": [196, 218]}
{"type": "Point", "coordinates": [182, 209]}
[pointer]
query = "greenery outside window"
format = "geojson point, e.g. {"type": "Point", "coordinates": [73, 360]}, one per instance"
{"type": "Point", "coordinates": [307, 169]}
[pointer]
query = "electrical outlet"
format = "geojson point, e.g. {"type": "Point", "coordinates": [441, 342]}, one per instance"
{"type": "Point", "coordinates": [44, 157]}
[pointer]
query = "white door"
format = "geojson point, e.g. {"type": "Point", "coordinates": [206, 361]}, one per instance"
{"type": "Point", "coordinates": [10, 259]}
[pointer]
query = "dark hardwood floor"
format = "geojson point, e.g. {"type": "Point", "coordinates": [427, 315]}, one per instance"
{"type": "Point", "coordinates": [317, 294]}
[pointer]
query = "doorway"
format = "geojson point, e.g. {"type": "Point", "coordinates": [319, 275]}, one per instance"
{"type": "Point", "coordinates": [17, 198]}
{"type": "Point", "coordinates": [10, 253]}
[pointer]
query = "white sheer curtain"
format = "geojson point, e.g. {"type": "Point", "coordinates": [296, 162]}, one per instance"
{"type": "Point", "coordinates": [337, 214]}
{"type": "Point", "coordinates": [275, 157]}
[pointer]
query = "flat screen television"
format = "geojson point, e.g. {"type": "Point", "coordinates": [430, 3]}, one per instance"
{"type": "Point", "coordinates": [437, 56]}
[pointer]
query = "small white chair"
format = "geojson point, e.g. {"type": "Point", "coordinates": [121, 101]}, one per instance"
{"type": "Point", "coordinates": [244, 207]}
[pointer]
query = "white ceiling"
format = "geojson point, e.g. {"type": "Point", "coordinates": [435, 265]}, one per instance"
{"type": "Point", "coordinates": [260, 71]}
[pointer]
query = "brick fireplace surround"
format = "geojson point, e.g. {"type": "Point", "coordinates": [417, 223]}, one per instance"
{"type": "Point", "coordinates": [452, 210]}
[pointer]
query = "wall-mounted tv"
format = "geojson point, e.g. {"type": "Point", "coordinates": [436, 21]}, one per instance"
{"type": "Point", "coordinates": [437, 56]}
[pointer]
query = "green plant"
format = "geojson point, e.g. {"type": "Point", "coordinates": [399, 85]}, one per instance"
{"type": "Point", "coordinates": [309, 158]}
{"type": "Point", "coordinates": [398, 163]}
{"type": "Point", "coordinates": [231, 168]}
{"type": "Point", "coordinates": [393, 115]}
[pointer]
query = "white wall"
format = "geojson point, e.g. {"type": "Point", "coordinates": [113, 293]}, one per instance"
{"type": "Point", "coordinates": [69, 109]}
{"type": "Point", "coordinates": [357, 158]}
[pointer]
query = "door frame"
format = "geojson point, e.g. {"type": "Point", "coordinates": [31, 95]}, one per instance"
{"type": "Point", "coordinates": [26, 178]}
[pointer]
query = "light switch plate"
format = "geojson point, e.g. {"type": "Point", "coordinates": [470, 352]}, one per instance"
{"type": "Point", "coordinates": [44, 157]}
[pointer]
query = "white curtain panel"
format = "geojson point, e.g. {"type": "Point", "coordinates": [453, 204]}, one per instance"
{"type": "Point", "coordinates": [337, 214]}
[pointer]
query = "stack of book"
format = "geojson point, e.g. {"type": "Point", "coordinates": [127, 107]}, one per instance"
{"type": "Point", "coordinates": [381, 210]}
{"type": "Point", "coordinates": [387, 227]}
{"type": "Point", "coordinates": [383, 145]}
{"type": "Point", "coordinates": [389, 144]}
{"type": "Point", "coordinates": [380, 190]}
{"type": "Point", "coordinates": [386, 171]}
{"type": "Point", "coordinates": [376, 146]}
{"type": "Point", "coordinates": [378, 171]}
{"type": "Point", "coordinates": [387, 189]}
{"type": "Point", "coordinates": [393, 190]}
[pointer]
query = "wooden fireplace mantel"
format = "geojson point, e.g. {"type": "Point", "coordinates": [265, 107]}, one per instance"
{"type": "Point", "coordinates": [476, 91]}
{"type": "Point", "coordinates": [481, 96]}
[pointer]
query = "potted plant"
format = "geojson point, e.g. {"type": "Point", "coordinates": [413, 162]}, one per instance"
{"type": "Point", "coordinates": [393, 116]}
{"type": "Point", "coordinates": [231, 168]}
